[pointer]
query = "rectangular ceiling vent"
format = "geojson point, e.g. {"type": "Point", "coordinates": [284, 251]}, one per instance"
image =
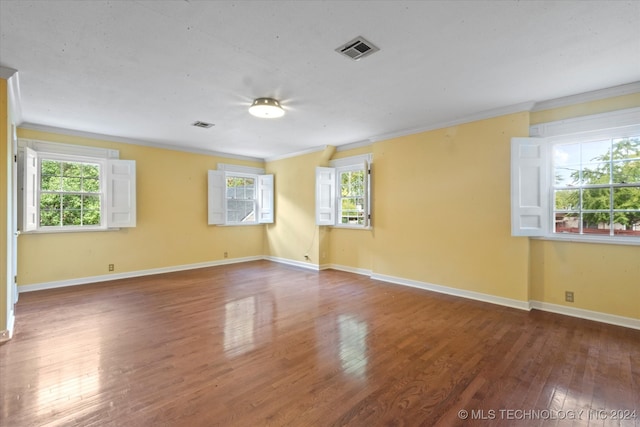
{"type": "Point", "coordinates": [357, 48]}
{"type": "Point", "coordinates": [200, 124]}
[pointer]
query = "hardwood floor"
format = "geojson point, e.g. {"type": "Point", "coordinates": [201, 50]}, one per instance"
{"type": "Point", "coordinates": [260, 343]}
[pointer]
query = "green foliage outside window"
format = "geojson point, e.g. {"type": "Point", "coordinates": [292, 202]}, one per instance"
{"type": "Point", "coordinates": [69, 194]}
{"type": "Point", "coordinates": [352, 197]}
{"type": "Point", "coordinates": [608, 183]}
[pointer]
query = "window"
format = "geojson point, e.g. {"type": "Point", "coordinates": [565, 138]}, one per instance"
{"type": "Point", "coordinates": [70, 193]}
{"type": "Point", "coordinates": [239, 196]}
{"type": "Point", "coordinates": [596, 188]}
{"type": "Point", "coordinates": [579, 185]}
{"type": "Point", "coordinates": [342, 193]}
{"type": "Point", "coordinates": [73, 188]}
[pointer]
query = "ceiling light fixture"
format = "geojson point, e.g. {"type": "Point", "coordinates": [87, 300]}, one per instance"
{"type": "Point", "coordinates": [267, 108]}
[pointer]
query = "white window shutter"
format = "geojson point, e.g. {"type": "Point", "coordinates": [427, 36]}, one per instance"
{"type": "Point", "coordinates": [216, 200]}
{"type": "Point", "coordinates": [121, 193]}
{"type": "Point", "coordinates": [265, 201]}
{"type": "Point", "coordinates": [529, 187]}
{"type": "Point", "coordinates": [365, 186]}
{"type": "Point", "coordinates": [325, 196]}
{"type": "Point", "coordinates": [30, 191]}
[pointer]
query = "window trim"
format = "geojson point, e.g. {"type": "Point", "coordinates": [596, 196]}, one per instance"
{"type": "Point", "coordinates": [617, 124]}
{"type": "Point", "coordinates": [217, 195]}
{"type": "Point", "coordinates": [327, 197]}
{"type": "Point", "coordinates": [117, 211]}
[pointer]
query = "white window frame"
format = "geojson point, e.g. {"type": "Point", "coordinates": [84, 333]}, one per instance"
{"type": "Point", "coordinates": [532, 188]}
{"type": "Point", "coordinates": [217, 213]}
{"type": "Point", "coordinates": [117, 184]}
{"type": "Point", "coordinates": [328, 206]}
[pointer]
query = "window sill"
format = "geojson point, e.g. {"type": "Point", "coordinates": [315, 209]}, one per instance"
{"type": "Point", "coordinates": [74, 230]}
{"type": "Point", "coordinates": [352, 227]}
{"type": "Point", "coordinates": [580, 238]}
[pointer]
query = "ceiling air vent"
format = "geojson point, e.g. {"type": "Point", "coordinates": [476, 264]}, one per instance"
{"type": "Point", "coordinates": [200, 124]}
{"type": "Point", "coordinates": [357, 48]}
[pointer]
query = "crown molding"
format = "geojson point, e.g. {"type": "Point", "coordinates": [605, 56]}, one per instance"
{"type": "Point", "coordinates": [111, 138]}
{"type": "Point", "coordinates": [596, 95]}
{"type": "Point", "coordinates": [482, 115]}
{"type": "Point", "coordinates": [6, 72]}
{"type": "Point", "coordinates": [296, 153]}
{"type": "Point", "coordinates": [13, 88]}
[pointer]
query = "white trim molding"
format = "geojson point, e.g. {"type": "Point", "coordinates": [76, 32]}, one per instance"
{"type": "Point", "coordinates": [478, 296]}
{"type": "Point", "coordinates": [597, 316]}
{"type": "Point", "coordinates": [595, 95]}
{"type": "Point", "coordinates": [629, 117]}
{"type": "Point", "coordinates": [293, 263]}
{"type": "Point", "coordinates": [106, 277]}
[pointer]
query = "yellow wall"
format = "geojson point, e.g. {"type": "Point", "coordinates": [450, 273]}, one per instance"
{"type": "Point", "coordinates": [171, 226]}
{"type": "Point", "coordinates": [5, 158]}
{"type": "Point", "coordinates": [442, 208]}
{"type": "Point", "coordinates": [604, 278]}
{"type": "Point", "coordinates": [294, 232]}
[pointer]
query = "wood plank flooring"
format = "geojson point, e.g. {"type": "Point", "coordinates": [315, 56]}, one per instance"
{"type": "Point", "coordinates": [264, 344]}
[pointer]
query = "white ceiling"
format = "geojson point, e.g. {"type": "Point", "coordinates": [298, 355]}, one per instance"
{"type": "Point", "coordinates": [146, 70]}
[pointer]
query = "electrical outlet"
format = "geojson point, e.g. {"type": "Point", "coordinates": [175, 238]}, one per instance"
{"type": "Point", "coordinates": [111, 267]}
{"type": "Point", "coordinates": [568, 296]}
{"type": "Point", "coordinates": [226, 254]}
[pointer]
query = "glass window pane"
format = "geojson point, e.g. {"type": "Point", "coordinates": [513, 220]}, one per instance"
{"type": "Point", "coordinates": [71, 184]}
{"type": "Point", "coordinates": [90, 217]}
{"type": "Point", "coordinates": [566, 154]}
{"type": "Point", "coordinates": [71, 201]}
{"type": "Point", "coordinates": [91, 185]}
{"type": "Point", "coordinates": [567, 223]}
{"type": "Point", "coordinates": [596, 151]}
{"type": "Point", "coordinates": [91, 170]}
{"type": "Point", "coordinates": [626, 148]}
{"type": "Point", "coordinates": [596, 223]}
{"type": "Point", "coordinates": [627, 198]}
{"type": "Point", "coordinates": [596, 173]}
{"type": "Point", "coordinates": [71, 217]}
{"type": "Point", "coordinates": [50, 201]}
{"type": "Point", "coordinates": [50, 183]}
{"type": "Point", "coordinates": [72, 169]}
{"type": "Point", "coordinates": [596, 198]}
{"type": "Point", "coordinates": [567, 175]}
{"type": "Point", "coordinates": [626, 172]}
{"type": "Point", "coordinates": [567, 200]}
{"type": "Point", "coordinates": [50, 167]}
{"type": "Point", "coordinates": [240, 192]}
{"type": "Point", "coordinates": [49, 218]}
{"type": "Point", "coordinates": [90, 202]}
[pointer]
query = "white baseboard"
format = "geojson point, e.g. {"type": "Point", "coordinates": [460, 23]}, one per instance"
{"type": "Point", "coordinates": [293, 263]}
{"type": "Point", "coordinates": [130, 274]}
{"type": "Point", "coordinates": [627, 322]}
{"type": "Point", "coordinates": [508, 302]}
{"type": "Point", "coordinates": [360, 271]}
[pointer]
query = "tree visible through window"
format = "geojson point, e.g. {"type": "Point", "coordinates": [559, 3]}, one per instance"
{"type": "Point", "coordinates": [70, 193]}
{"type": "Point", "coordinates": [352, 197]}
{"type": "Point", "coordinates": [597, 187]}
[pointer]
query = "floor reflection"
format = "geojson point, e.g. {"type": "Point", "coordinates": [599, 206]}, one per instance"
{"type": "Point", "coordinates": [68, 383]}
{"type": "Point", "coordinates": [247, 324]}
{"type": "Point", "coordinates": [353, 345]}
